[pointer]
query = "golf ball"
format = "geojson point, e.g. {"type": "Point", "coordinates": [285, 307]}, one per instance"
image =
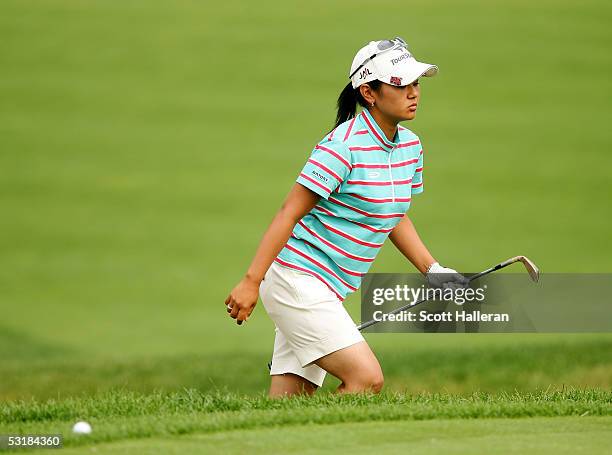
{"type": "Point", "coordinates": [81, 428]}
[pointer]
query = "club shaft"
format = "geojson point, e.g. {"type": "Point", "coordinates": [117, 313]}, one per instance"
{"type": "Point", "coordinates": [501, 265]}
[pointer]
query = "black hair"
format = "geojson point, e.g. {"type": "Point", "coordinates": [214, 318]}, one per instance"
{"type": "Point", "coordinates": [348, 99]}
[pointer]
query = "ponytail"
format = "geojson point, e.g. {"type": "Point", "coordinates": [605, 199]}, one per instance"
{"type": "Point", "coordinates": [348, 100]}
{"type": "Point", "coordinates": [347, 104]}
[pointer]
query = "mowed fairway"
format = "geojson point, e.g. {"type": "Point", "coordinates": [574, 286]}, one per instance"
{"type": "Point", "coordinates": [542, 436]}
{"type": "Point", "coordinates": [145, 146]}
{"type": "Point", "coordinates": [228, 423]}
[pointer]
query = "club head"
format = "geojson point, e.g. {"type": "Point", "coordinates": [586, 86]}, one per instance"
{"type": "Point", "coordinates": [532, 269]}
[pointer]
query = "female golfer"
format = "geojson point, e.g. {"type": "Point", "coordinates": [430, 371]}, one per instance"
{"type": "Point", "coordinates": [352, 194]}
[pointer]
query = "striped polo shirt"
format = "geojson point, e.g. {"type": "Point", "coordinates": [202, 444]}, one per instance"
{"type": "Point", "coordinates": [366, 183]}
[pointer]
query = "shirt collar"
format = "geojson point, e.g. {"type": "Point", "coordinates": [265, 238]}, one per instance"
{"type": "Point", "coordinates": [377, 134]}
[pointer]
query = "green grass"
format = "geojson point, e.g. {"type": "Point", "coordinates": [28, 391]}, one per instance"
{"type": "Point", "coordinates": [120, 415]}
{"type": "Point", "coordinates": [146, 145]}
{"type": "Point", "coordinates": [319, 408]}
{"type": "Point", "coordinates": [457, 363]}
{"type": "Point", "coordinates": [539, 436]}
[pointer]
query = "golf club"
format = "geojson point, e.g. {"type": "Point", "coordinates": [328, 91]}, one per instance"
{"type": "Point", "coordinates": [532, 270]}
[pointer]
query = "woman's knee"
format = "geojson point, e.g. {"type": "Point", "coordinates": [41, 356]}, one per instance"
{"type": "Point", "coordinates": [356, 366]}
{"type": "Point", "coordinates": [288, 384]}
{"type": "Point", "coordinates": [367, 381]}
{"type": "Point", "coordinates": [377, 383]}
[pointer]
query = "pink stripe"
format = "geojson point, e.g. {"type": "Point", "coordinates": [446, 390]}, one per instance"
{"type": "Point", "coordinates": [370, 166]}
{"type": "Point", "coordinates": [326, 169]}
{"type": "Point", "coordinates": [384, 166]}
{"type": "Point", "coordinates": [314, 261]}
{"type": "Point", "coordinates": [405, 163]}
{"type": "Point", "coordinates": [314, 181]}
{"type": "Point", "coordinates": [385, 183]}
{"type": "Point", "coordinates": [325, 149]}
{"type": "Point", "coordinates": [334, 247]}
{"type": "Point", "coordinates": [316, 275]}
{"type": "Point", "coordinates": [366, 182]}
{"type": "Point", "coordinates": [348, 271]}
{"type": "Point", "coordinates": [374, 131]}
{"type": "Point", "coordinates": [365, 226]}
{"type": "Point", "coordinates": [416, 185]}
{"type": "Point", "coordinates": [361, 132]}
{"type": "Point", "coordinates": [408, 144]}
{"type": "Point", "coordinates": [379, 200]}
{"type": "Point", "coordinates": [363, 212]}
{"type": "Point", "coordinates": [369, 148]}
{"type": "Point", "coordinates": [331, 136]}
{"type": "Point", "coordinates": [419, 169]}
{"type": "Point", "coordinates": [351, 272]}
{"type": "Point", "coordinates": [348, 132]}
{"type": "Point", "coordinates": [350, 237]}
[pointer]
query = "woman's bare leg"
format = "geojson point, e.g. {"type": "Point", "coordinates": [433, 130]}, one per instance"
{"type": "Point", "coordinates": [284, 385]}
{"type": "Point", "coordinates": [356, 366]}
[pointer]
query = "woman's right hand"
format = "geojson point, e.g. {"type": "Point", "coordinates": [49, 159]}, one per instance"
{"type": "Point", "coordinates": [242, 300]}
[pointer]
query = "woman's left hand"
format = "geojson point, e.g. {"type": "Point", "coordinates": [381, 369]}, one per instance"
{"type": "Point", "coordinates": [444, 277]}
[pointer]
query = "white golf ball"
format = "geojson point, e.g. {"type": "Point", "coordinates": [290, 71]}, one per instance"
{"type": "Point", "coordinates": [81, 428]}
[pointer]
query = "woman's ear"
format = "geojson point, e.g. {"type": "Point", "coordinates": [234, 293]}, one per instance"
{"type": "Point", "coordinates": [366, 93]}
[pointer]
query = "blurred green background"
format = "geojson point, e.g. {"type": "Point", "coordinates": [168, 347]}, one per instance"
{"type": "Point", "coordinates": [146, 145]}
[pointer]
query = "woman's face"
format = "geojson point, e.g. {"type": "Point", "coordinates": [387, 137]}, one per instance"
{"type": "Point", "coordinates": [397, 103]}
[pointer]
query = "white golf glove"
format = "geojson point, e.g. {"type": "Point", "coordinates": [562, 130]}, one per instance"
{"type": "Point", "coordinates": [443, 277]}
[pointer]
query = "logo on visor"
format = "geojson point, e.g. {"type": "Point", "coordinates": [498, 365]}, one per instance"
{"type": "Point", "coordinates": [364, 73]}
{"type": "Point", "coordinates": [395, 80]}
{"type": "Point", "coordinates": [401, 57]}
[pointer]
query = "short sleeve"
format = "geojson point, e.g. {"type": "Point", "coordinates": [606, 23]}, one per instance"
{"type": "Point", "coordinates": [417, 179]}
{"type": "Point", "coordinates": [328, 166]}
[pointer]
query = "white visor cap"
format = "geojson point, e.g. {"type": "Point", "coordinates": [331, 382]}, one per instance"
{"type": "Point", "coordinates": [395, 67]}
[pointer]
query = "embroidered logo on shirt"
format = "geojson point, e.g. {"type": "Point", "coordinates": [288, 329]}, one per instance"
{"type": "Point", "coordinates": [373, 174]}
{"type": "Point", "coordinates": [321, 177]}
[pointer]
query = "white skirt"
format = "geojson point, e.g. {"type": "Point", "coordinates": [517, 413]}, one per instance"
{"type": "Point", "coordinates": [310, 320]}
